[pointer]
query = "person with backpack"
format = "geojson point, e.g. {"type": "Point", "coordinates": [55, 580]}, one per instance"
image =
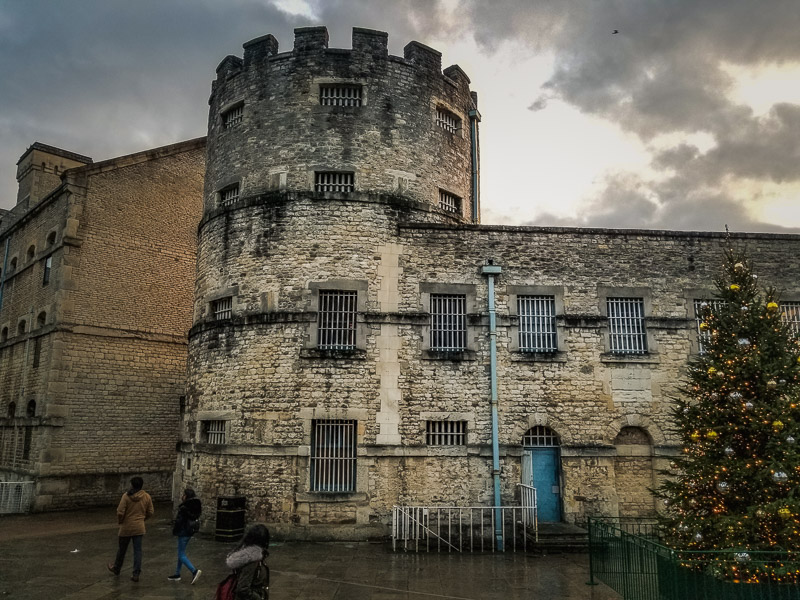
{"type": "Point", "coordinates": [250, 577]}
{"type": "Point", "coordinates": [187, 523]}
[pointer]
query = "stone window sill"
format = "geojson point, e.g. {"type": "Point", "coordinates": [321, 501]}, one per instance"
{"type": "Point", "coordinates": [331, 497]}
{"type": "Point", "coordinates": [549, 357]}
{"type": "Point", "coordinates": [318, 353]}
{"type": "Point", "coordinates": [457, 355]}
{"type": "Point", "coordinates": [646, 359]}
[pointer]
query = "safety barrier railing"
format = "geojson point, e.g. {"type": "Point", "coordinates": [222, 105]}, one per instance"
{"type": "Point", "coordinates": [639, 567]}
{"type": "Point", "coordinates": [15, 496]}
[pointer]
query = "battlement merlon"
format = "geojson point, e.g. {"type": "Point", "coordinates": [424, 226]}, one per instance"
{"type": "Point", "coordinates": [310, 39]}
{"type": "Point", "coordinates": [259, 49]}
{"type": "Point", "coordinates": [423, 56]}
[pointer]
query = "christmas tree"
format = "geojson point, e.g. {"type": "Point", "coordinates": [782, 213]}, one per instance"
{"type": "Point", "coordinates": [735, 485]}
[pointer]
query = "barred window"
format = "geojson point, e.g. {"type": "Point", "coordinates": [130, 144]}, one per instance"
{"type": "Point", "coordinates": [213, 432]}
{"type": "Point", "coordinates": [537, 323]}
{"type": "Point", "coordinates": [447, 120]}
{"type": "Point", "coordinates": [790, 312]}
{"type": "Point", "coordinates": [704, 336]}
{"type": "Point", "coordinates": [448, 322]}
{"type": "Point", "coordinates": [233, 116]}
{"type": "Point", "coordinates": [449, 202]}
{"type": "Point", "coordinates": [336, 319]}
{"type": "Point", "coordinates": [333, 455]}
{"type": "Point", "coordinates": [229, 195]}
{"type": "Point", "coordinates": [222, 308]}
{"type": "Point", "coordinates": [626, 332]}
{"type": "Point", "coordinates": [540, 436]}
{"type": "Point", "coordinates": [446, 433]}
{"type": "Point", "coordinates": [329, 181]}
{"type": "Point", "coordinates": [337, 94]}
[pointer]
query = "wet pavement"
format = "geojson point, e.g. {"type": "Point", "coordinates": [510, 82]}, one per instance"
{"type": "Point", "coordinates": [63, 555]}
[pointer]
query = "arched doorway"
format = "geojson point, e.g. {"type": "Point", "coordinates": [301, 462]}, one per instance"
{"type": "Point", "coordinates": [633, 472]}
{"type": "Point", "coordinates": [540, 469]}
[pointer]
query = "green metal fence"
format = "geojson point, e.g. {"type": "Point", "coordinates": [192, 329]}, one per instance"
{"type": "Point", "coordinates": [628, 557]}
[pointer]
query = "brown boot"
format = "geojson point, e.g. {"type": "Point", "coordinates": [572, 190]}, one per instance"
{"type": "Point", "coordinates": [112, 568]}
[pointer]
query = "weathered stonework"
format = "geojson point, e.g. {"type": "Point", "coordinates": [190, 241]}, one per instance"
{"type": "Point", "coordinates": [260, 371]}
{"type": "Point", "coordinates": [93, 359]}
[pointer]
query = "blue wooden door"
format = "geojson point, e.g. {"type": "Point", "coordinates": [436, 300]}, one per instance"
{"type": "Point", "coordinates": [545, 479]}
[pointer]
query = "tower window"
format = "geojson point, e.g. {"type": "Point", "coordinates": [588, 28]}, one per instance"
{"type": "Point", "coordinates": [222, 308]}
{"type": "Point", "coordinates": [232, 117]}
{"type": "Point", "coordinates": [340, 95]}
{"type": "Point", "coordinates": [229, 195]}
{"type": "Point", "coordinates": [627, 334]}
{"type": "Point", "coordinates": [328, 181]}
{"type": "Point", "coordinates": [333, 455]}
{"type": "Point", "coordinates": [31, 252]}
{"type": "Point", "coordinates": [449, 202]}
{"type": "Point", "coordinates": [337, 319]}
{"type": "Point", "coordinates": [447, 120]}
{"type": "Point", "coordinates": [48, 266]}
{"type": "Point", "coordinates": [537, 323]}
{"type": "Point", "coordinates": [213, 432]}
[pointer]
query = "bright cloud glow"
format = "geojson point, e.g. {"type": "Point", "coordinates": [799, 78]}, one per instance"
{"type": "Point", "coordinates": [762, 87]}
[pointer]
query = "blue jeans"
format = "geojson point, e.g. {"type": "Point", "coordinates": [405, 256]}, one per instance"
{"type": "Point", "coordinates": [183, 541]}
{"type": "Point", "coordinates": [124, 540]}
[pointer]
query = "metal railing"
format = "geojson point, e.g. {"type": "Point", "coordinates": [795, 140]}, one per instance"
{"type": "Point", "coordinates": [638, 567]}
{"type": "Point", "coordinates": [466, 528]}
{"type": "Point", "coordinates": [16, 496]}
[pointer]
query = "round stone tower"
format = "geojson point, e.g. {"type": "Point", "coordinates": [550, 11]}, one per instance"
{"type": "Point", "coordinates": [316, 159]}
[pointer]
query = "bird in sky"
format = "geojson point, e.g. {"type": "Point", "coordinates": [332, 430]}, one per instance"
{"type": "Point", "coordinates": [615, 31]}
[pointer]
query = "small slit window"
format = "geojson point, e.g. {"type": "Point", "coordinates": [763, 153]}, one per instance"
{"type": "Point", "coordinates": [30, 411]}
{"type": "Point", "coordinates": [447, 120]}
{"type": "Point", "coordinates": [51, 238]}
{"type": "Point", "coordinates": [13, 264]}
{"type": "Point", "coordinates": [12, 409]}
{"type": "Point", "coordinates": [229, 195]}
{"type": "Point", "coordinates": [449, 202]}
{"type": "Point", "coordinates": [446, 433]}
{"type": "Point", "coordinates": [31, 252]}
{"type": "Point", "coordinates": [21, 327]}
{"type": "Point", "coordinates": [233, 116]}
{"type": "Point", "coordinates": [47, 265]}
{"type": "Point", "coordinates": [41, 319]}
{"type": "Point", "coordinates": [337, 94]}
{"type": "Point", "coordinates": [626, 331]}
{"type": "Point", "coordinates": [214, 432]}
{"type": "Point", "coordinates": [327, 181]}
{"type": "Point", "coordinates": [4, 335]}
{"type": "Point", "coordinates": [222, 308]}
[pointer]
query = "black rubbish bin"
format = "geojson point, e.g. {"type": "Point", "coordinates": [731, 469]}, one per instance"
{"type": "Point", "coordinates": [230, 518]}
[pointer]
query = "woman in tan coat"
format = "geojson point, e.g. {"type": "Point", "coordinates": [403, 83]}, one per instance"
{"type": "Point", "coordinates": [134, 509]}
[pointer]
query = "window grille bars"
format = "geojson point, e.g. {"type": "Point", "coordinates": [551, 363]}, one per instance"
{"type": "Point", "coordinates": [223, 308]}
{"type": "Point", "coordinates": [704, 337]}
{"type": "Point", "coordinates": [790, 313]}
{"type": "Point", "coordinates": [540, 436]}
{"type": "Point", "coordinates": [446, 433]}
{"type": "Point", "coordinates": [448, 322]}
{"type": "Point", "coordinates": [449, 202]}
{"type": "Point", "coordinates": [325, 181]}
{"type": "Point", "coordinates": [215, 432]}
{"type": "Point", "coordinates": [233, 116]}
{"type": "Point", "coordinates": [333, 455]}
{"type": "Point", "coordinates": [229, 195]}
{"type": "Point", "coordinates": [447, 120]}
{"type": "Point", "coordinates": [537, 323]}
{"type": "Point", "coordinates": [340, 95]}
{"type": "Point", "coordinates": [336, 320]}
{"type": "Point", "coordinates": [626, 332]}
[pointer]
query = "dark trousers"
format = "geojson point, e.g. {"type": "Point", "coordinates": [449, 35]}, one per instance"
{"type": "Point", "coordinates": [137, 552]}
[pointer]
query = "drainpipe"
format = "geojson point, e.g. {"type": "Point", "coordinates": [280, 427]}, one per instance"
{"type": "Point", "coordinates": [490, 270]}
{"type": "Point", "coordinates": [5, 269]}
{"type": "Point", "coordinates": [474, 119]}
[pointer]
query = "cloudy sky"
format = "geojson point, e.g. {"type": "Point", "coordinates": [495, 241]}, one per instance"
{"type": "Point", "coordinates": [687, 118]}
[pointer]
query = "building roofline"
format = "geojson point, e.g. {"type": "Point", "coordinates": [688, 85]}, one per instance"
{"type": "Point", "coordinates": [54, 150]}
{"type": "Point", "coordinates": [137, 157]}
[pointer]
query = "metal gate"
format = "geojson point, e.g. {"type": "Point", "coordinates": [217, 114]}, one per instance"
{"type": "Point", "coordinates": [15, 496]}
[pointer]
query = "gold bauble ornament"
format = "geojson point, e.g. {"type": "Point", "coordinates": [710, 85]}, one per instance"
{"type": "Point", "coordinates": [784, 513]}
{"type": "Point", "coordinates": [772, 384]}
{"type": "Point", "coordinates": [712, 370]}
{"type": "Point", "coordinates": [738, 267]}
{"type": "Point", "coordinates": [772, 306]}
{"type": "Point", "coordinates": [712, 435]}
{"type": "Point", "coordinates": [695, 435]}
{"type": "Point", "coordinates": [703, 326]}
{"type": "Point", "coordinates": [777, 425]}
{"type": "Point", "coordinates": [734, 287]}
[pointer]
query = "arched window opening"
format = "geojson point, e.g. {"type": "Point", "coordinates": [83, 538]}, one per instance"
{"type": "Point", "coordinates": [4, 335]}
{"type": "Point", "coordinates": [540, 436]}
{"type": "Point", "coordinates": [12, 409]}
{"type": "Point", "coordinates": [13, 263]}
{"type": "Point", "coordinates": [31, 252]}
{"type": "Point", "coordinates": [632, 436]}
{"type": "Point", "coordinates": [51, 238]}
{"type": "Point", "coordinates": [21, 328]}
{"type": "Point", "coordinates": [30, 411]}
{"type": "Point", "coordinates": [41, 320]}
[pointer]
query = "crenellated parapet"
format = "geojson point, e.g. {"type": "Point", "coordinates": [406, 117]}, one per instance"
{"type": "Point", "coordinates": [335, 121]}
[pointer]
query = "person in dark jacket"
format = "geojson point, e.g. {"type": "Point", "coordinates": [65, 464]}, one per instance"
{"type": "Point", "coordinates": [248, 561]}
{"type": "Point", "coordinates": [186, 522]}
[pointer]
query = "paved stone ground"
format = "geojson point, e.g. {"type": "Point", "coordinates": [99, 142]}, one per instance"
{"type": "Point", "coordinates": [63, 555]}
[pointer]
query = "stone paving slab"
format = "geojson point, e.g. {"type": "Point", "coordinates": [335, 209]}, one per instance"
{"type": "Point", "coordinates": [63, 555]}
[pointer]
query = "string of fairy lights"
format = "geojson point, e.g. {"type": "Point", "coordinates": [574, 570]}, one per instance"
{"type": "Point", "coordinates": [732, 502]}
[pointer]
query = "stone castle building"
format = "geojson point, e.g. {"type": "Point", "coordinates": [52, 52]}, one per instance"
{"type": "Point", "coordinates": [358, 335]}
{"type": "Point", "coordinates": [97, 267]}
